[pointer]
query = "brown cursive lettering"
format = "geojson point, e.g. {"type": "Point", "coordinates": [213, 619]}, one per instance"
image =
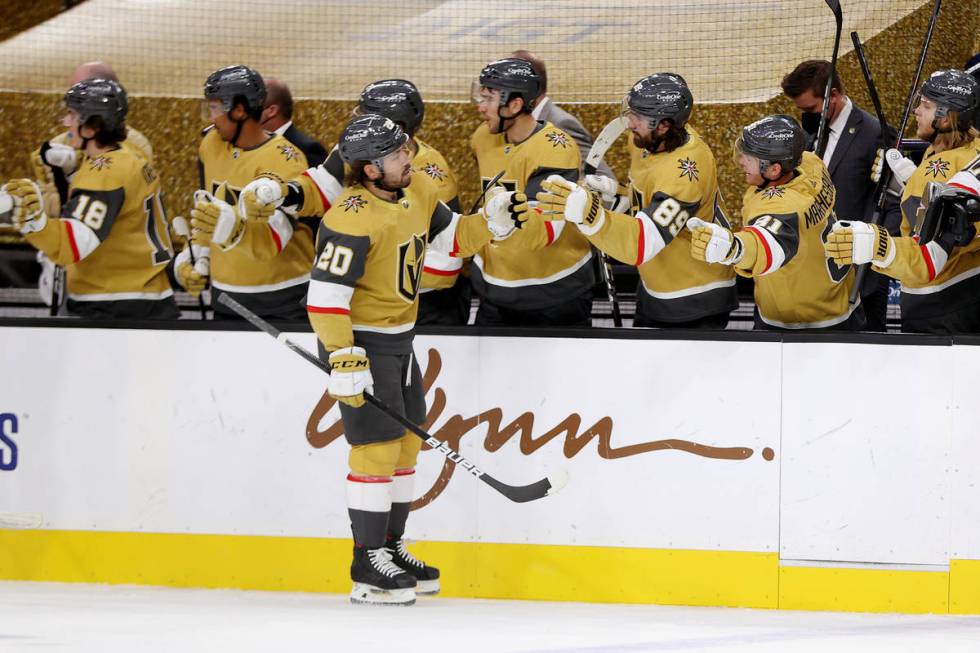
{"type": "Point", "coordinates": [456, 426]}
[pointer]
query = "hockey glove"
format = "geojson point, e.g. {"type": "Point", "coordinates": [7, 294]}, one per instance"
{"type": "Point", "coordinates": [851, 241]}
{"type": "Point", "coordinates": [605, 186]}
{"type": "Point", "coordinates": [901, 168]}
{"type": "Point", "coordinates": [27, 215]}
{"type": "Point", "coordinates": [214, 221]}
{"type": "Point", "coordinates": [180, 232]}
{"type": "Point", "coordinates": [713, 243]}
{"type": "Point", "coordinates": [261, 197]}
{"type": "Point", "coordinates": [583, 208]}
{"type": "Point", "coordinates": [350, 376]}
{"type": "Point", "coordinates": [193, 277]}
{"type": "Point", "coordinates": [504, 212]}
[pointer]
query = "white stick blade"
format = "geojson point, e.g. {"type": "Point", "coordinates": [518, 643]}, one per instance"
{"type": "Point", "coordinates": [558, 480]}
{"type": "Point", "coordinates": [14, 520]}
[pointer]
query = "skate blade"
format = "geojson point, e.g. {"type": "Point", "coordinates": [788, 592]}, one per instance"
{"type": "Point", "coordinates": [369, 595]}
{"type": "Point", "coordinates": [427, 587]}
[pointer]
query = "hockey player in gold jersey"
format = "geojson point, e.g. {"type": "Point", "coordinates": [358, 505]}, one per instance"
{"type": "Point", "coordinates": [112, 234]}
{"type": "Point", "coordinates": [787, 211]}
{"type": "Point", "coordinates": [362, 305]}
{"type": "Point", "coordinates": [263, 263]}
{"type": "Point", "coordinates": [672, 178]}
{"type": "Point", "coordinates": [939, 269]}
{"type": "Point", "coordinates": [546, 277]}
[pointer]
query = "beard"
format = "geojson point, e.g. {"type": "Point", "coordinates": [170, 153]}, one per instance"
{"type": "Point", "coordinates": [649, 142]}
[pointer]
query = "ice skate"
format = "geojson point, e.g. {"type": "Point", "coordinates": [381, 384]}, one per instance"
{"type": "Point", "coordinates": [427, 577]}
{"type": "Point", "coordinates": [377, 580]}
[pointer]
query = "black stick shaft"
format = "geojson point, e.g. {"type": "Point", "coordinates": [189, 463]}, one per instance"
{"type": "Point", "coordinates": [518, 494]}
{"type": "Point", "coordinates": [822, 130]}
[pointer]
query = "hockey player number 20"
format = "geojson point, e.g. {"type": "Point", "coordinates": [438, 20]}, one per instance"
{"type": "Point", "coordinates": [671, 216]}
{"type": "Point", "coordinates": [335, 259]}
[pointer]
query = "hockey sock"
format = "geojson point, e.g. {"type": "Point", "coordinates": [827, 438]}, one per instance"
{"type": "Point", "coordinates": [402, 486]}
{"type": "Point", "coordinates": [369, 505]}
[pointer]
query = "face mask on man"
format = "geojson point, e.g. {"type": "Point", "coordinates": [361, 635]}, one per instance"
{"type": "Point", "coordinates": [810, 121]}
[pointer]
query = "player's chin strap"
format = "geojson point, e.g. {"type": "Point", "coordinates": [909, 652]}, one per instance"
{"type": "Point", "coordinates": [238, 129]}
{"type": "Point", "coordinates": [380, 181]}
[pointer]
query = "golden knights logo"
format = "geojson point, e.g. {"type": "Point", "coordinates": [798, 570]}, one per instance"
{"type": "Point", "coordinates": [288, 151]}
{"type": "Point", "coordinates": [434, 171]}
{"type": "Point", "coordinates": [408, 276]}
{"type": "Point", "coordinates": [354, 203]}
{"type": "Point", "coordinates": [773, 191]}
{"type": "Point", "coordinates": [938, 167]}
{"type": "Point", "coordinates": [99, 163]}
{"type": "Point", "coordinates": [688, 169]}
{"type": "Point", "coordinates": [558, 139]}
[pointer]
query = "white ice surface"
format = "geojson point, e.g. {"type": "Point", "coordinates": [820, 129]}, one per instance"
{"type": "Point", "coordinates": [79, 618]}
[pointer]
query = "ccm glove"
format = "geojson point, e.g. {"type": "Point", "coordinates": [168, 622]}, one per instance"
{"type": "Point", "coordinates": [572, 202]}
{"type": "Point", "coordinates": [193, 277]}
{"type": "Point", "coordinates": [27, 214]}
{"type": "Point", "coordinates": [851, 241]}
{"type": "Point", "coordinates": [350, 376]}
{"type": "Point", "coordinates": [504, 212]}
{"type": "Point", "coordinates": [261, 197]}
{"type": "Point", "coordinates": [713, 243]}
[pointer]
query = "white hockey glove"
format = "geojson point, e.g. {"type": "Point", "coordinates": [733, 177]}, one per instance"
{"type": "Point", "coordinates": [712, 243]}
{"type": "Point", "coordinates": [27, 214]}
{"type": "Point", "coordinates": [350, 376]}
{"type": "Point", "coordinates": [260, 198]}
{"type": "Point", "coordinates": [504, 212]}
{"type": "Point", "coordinates": [6, 207]}
{"type": "Point", "coordinates": [59, 155]}
{"type": "Point", "coordinates": [901, 168]}
{"type": "Point", "coordinates": [214, 221]}
{"type": "Point", "coordinates": [607, 187]}
{"type": "Point", "coordinates": [581, 207]}
{"type": "Point", "coordinates": [851, 241]}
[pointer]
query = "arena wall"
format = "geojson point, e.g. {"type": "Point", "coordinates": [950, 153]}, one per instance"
{"type": "Point", "coordinates": [836, 475]}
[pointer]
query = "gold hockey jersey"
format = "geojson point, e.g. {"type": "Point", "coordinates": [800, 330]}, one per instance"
{"type": "Point", "coordinates": [272, 255]}
{"type": "Point", "coordinates": [666, 189]}
{"type": "Point", "coordinates": [546, 264]}
{"type": "Point", "coordinates": [368, 267]}
{"type": "Point", "coordinates": [934, 281]}
{"type": "Point", "coordinates": [440, 271]}
{"type": "Point", "coordinates": [796, 285]}
{"type": "Point", "coordinates": [112, 236]}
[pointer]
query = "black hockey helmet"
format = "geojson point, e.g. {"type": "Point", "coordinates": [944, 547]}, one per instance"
{"type": "Point", "coordinates": [660, 96]}
{"type": "Point", "coordinates": [953, 90]}
{"type": "Point", "coordinates": [237, 84]}
{"type": "Point", "coordinates": [99, 97]}
{"type": "Point", "coordinates": [513, 78]}
{"type": "Point", "coordinates": [773, 139]}
{"type": "Point", "coordinates": [370, 138]}
{"type": "Point", "coordinates": [398, 99]}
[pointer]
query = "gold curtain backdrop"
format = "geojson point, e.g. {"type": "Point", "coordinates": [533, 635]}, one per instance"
{"type": "Point", "coordinates": [733, 54]}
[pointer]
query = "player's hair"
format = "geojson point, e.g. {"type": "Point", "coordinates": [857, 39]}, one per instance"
{"type": "Point", "coordinates": [355, 174]}
{"type": "Point", "coordinates": [106, 136]}
{"type": "Point", "coordinates": [955, 137]}
{"type": "Point", "coordinates": [810, 75]}
{"type": "Point", "coordinates": [674, 137]}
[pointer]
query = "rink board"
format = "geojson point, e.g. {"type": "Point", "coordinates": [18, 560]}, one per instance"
{"type": "Point", "coordinates": [742, 471]}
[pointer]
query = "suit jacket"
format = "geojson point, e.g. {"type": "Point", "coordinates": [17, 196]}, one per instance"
{"type": "Point", "coordinates": [850, 170]}
{"type": "Point", "coordinates": [570, 125]}
{"type": "Point", "coordinates": [314, 151]}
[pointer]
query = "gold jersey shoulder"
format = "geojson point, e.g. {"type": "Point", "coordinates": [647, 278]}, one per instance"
{"type": "Point", "coordinates": [429, 161]}
{"type": "Point", "coordinates": [234, 166]}
{"type": "Point", "coordinates": [547, 149]}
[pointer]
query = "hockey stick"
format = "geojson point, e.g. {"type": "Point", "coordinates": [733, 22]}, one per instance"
{"type": "Point", "coordinates": [490, 184]}
{"type": "Point", "coordinates": [16, 520]}
{"type": "Point", "coordinates": [822, 134]}
{"type": "Point", "coordinates": [597, 152]}
{"type": "Point", "coordinates": [862, 270]}
{"type": "Point", "coordinates": [516, 493]}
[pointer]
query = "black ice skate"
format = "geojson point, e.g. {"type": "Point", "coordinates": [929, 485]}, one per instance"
{"type": "Point", "coordinates": [427, 577]}
{"type": "Point", "coordinates": [378, 580]}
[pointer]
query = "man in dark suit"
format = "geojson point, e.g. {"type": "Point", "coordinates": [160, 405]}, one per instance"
{"type": "Point", "coordinates": [277, 117]}
{"type": "Point", "coordinates": [547, 111]}
{"type": "Point", "coordinates": [853, 140]}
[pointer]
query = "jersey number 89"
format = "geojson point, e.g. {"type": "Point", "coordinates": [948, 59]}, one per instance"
{"type": "Point", "coordinates": [671, 215]}
{"type": "Point", "coordinates": [335, 259]}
